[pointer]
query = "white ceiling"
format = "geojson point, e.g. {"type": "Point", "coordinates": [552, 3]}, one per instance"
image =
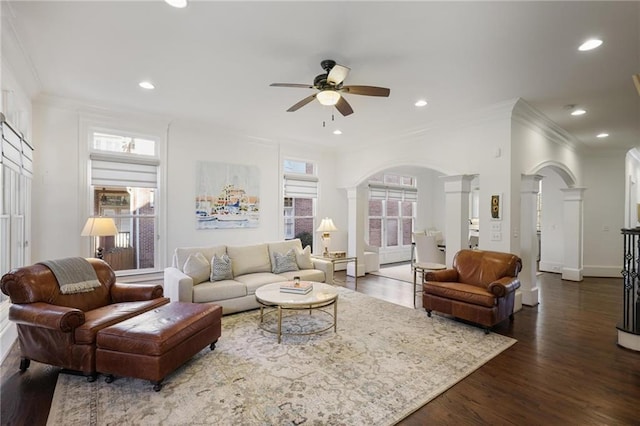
{"type": "Point", "coordinates": [214, 61]}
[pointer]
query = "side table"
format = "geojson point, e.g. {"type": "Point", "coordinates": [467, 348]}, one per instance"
{"type": "Point", "coordinates": [423, 266]}
{"type": "Point", "coordinates": [339, 260]}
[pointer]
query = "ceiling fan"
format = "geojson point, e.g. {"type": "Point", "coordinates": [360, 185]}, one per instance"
{"type": "Point", "coordinates": [330, 88]}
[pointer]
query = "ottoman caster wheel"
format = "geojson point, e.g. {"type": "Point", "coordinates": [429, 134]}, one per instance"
{"type": "Point", "coordinates": [24, 364]}
{"type": "Point", "coordinates": [157, 387]}
{"type": "Point", "coordinates": [212, 346]}
{"type": "Point", "coordinates": [92, 378]}
{"type": "Point", "coordinates": [109, 378]}
{"type": "Point", "coordinates": [429, 314]}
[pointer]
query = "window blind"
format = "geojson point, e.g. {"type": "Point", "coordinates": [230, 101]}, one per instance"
{"type": "Point", "coordinates": [17, 154]}
{"type": "Point", "coordinates": [300, 186]}
{"type": "Point", "coordinates": [123, 172]}
{"type": "Point", "coordinates": [389, 192]}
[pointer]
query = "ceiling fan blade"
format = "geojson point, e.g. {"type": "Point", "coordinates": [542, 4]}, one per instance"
{"type": "Point", "coordinates": [366, 90]}
{"type": "Point", "coordinates": [344, 107]}
{"type": "Point", "coordinates": [337, 74]}
{"type": "Point", "coordinates": [304, 86]}
{"type": "Point", "coordinates": [302, 103]}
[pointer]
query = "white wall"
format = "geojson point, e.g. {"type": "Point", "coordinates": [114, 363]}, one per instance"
{"type": "Point", "coordinates": [604, 202]}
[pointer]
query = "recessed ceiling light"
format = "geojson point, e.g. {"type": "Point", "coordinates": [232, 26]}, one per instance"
{"type": "Point", "coordinates": [602, 135]}
{"type": "Point", "coordinates": [146, 85]}
{"type": "Point", "coordinates": [590, 44]}
{"type": "Point", "coordinates": [421, 103]}
{"type": "Point", "coordinates": [177, 3]}
{"type": "Point", "coordinates": [337, 132]}
{"type": "Point", "coordinates": [578, 111]}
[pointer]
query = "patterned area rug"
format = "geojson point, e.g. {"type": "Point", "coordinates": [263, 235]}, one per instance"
{"type": "Point", "coordinates": [384, 362]}
{"type": "Point", "coordinates": [400, 272]}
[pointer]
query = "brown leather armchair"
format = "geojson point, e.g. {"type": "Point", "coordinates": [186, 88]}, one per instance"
{"type": "Point", "coordinates": [480, 287]}
{"type": "Point", "coordinates": [60, 329]}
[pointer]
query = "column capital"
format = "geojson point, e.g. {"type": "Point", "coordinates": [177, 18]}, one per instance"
{"type": "Point", "coordinates": [530, 183]}
{"type": "Point", "coordinates": [457, 183]}
{"type": "Point", "coordinates": [573, 194]}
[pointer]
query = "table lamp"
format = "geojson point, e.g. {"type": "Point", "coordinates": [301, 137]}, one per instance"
{"type": "Point", "coordinates": [326, 226]}
{"type": "Point", "coordinates": [99, 227]}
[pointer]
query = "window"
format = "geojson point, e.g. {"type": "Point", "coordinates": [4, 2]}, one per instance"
{"type": "Point", "coordinates": [124, 181]}
{"type": "Point", "coordinates": [16, 171]}
{"type": "Point", "coordinates": [392, 201]}
{"type": "Point", "coordinates": [300, 193]}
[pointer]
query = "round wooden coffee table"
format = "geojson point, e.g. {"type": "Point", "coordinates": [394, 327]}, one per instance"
{"type": "Point", "coordinates": [322, 295]}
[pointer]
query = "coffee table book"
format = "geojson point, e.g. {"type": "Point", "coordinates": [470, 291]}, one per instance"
{"type": "Point", "coordinates": [292, 287]}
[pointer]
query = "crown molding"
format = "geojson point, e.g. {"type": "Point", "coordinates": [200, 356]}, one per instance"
{"type": "Point", "coordinates": [530, 117]}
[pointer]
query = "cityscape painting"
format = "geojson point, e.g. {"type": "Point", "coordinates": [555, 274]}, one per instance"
{"type": "Point", "coordinates": [227, 196]}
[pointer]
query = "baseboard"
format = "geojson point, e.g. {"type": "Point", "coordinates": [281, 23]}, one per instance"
{"type": "Point", "coordinates": [554, 267]}
{"type": "Point", "coordinates": [602, 271]}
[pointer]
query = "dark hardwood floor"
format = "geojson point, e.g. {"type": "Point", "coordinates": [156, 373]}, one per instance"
{"type": "Point", "coordinates": [565, 369]}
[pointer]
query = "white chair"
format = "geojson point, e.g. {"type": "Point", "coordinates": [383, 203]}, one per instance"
{"type": "Point", "coordinates": [371, 258]}
{"type": "Point", "coordinates": [425, 256]}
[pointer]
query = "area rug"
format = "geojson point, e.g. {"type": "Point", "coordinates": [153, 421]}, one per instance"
{"type": "Point", "coordinates": [384, 362]}
{"type": "Point", "coordinates": [399, 272]}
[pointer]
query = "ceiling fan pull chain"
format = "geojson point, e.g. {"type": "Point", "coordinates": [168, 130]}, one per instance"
{"type": "Point", "coordinates": [323, 124]}
{"type": "Point", "coordinates": [333, 118]}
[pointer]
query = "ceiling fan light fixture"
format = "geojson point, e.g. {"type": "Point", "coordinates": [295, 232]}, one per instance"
{"type": "Point", "coordinates": [328, 97]}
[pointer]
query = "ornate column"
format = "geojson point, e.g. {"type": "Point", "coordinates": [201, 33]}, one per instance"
{"type": "Point", "coordinates": [456, 189]}
{"type": "Point", "coordinates": [529, 188]}
{"type": "Point", "coordinates": [573, 233]}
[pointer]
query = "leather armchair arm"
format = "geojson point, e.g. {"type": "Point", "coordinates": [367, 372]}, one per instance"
{"type": "Point", "coordinates": [44, 315]}
{"type": "Point", "coordinates": [504, 286]}
{"type": "Point", "coordinates": [135, 292]}
{"type": "Point", "coordinates": [445, 275]}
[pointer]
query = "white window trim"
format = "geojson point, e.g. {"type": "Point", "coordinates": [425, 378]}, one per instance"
{"type": "Point", "coordinates": [141, 127]}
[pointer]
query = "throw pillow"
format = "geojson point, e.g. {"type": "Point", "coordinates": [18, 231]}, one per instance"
{"type": "Point", "coordinates": [303, 258]}
{"type": "Point", "coordinates": [285, 262]}
{"type": "Point", "coordinates": [221, 268]}
{"type": "Point", "coordinates": [197, 267]}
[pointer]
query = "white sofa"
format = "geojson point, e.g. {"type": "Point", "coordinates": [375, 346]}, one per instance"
{"type": "Point", "coordinates": [252, 267]}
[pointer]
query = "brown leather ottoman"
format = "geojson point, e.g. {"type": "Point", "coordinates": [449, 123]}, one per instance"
{"type": "Point", "coordinates": [153, 344]}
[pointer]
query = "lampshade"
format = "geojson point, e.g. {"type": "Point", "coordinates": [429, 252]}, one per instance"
{"type": "Point", "coordinates": [326, 226]}
{"type": "Point", "coordinates": [99, 227]}
{"type": "Point", "coordinates": [328, 97]}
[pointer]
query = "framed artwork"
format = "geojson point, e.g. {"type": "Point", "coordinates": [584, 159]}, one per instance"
{"type": "Point", "coordinates": [227, 196]}
{"type": "Point", "coordinates": [496, 207]}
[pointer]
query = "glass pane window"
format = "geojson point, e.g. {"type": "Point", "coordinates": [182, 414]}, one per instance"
{"type": "Point", "coordinates": [133, 210]}
{"type": "Point", "coordinates": [123, 144]}
{"type": "Point", "coordinates": [375, 232]}
{"type": "Point", "coordinates": [392, 232]}
{"type": "Point", "coordinates": [392, 208]}
{"type": "Point", "coordinates": [299, 167]}
{"type": "Point", "coordinates": [299, 219]}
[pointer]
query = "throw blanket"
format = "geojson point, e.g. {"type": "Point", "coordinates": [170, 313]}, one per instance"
{"type": "Point", "coordinates": [74, 274]}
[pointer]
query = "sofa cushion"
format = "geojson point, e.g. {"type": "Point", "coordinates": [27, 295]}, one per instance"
{"type": "Point", "coordinates": [285, 262]}
{"type": "Point", "coordinates": [283, 247]}
{"type": "Point", "coordinates": [181, 255]}
{"type": "Point", "coordinates": [303, 257]}
{"type": "Point", "coordinates": [249, 259]}
{"type": "Point", "coordinates": [254, 281]}
{"type": "Point", "coordinates": [305, 275]}
{"type": "Point", "coordinates": [198, 268]}
{"type": "Point", "coordinates": [219, 290]}
{"type": "Point", "coordinates": [221, 268]}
